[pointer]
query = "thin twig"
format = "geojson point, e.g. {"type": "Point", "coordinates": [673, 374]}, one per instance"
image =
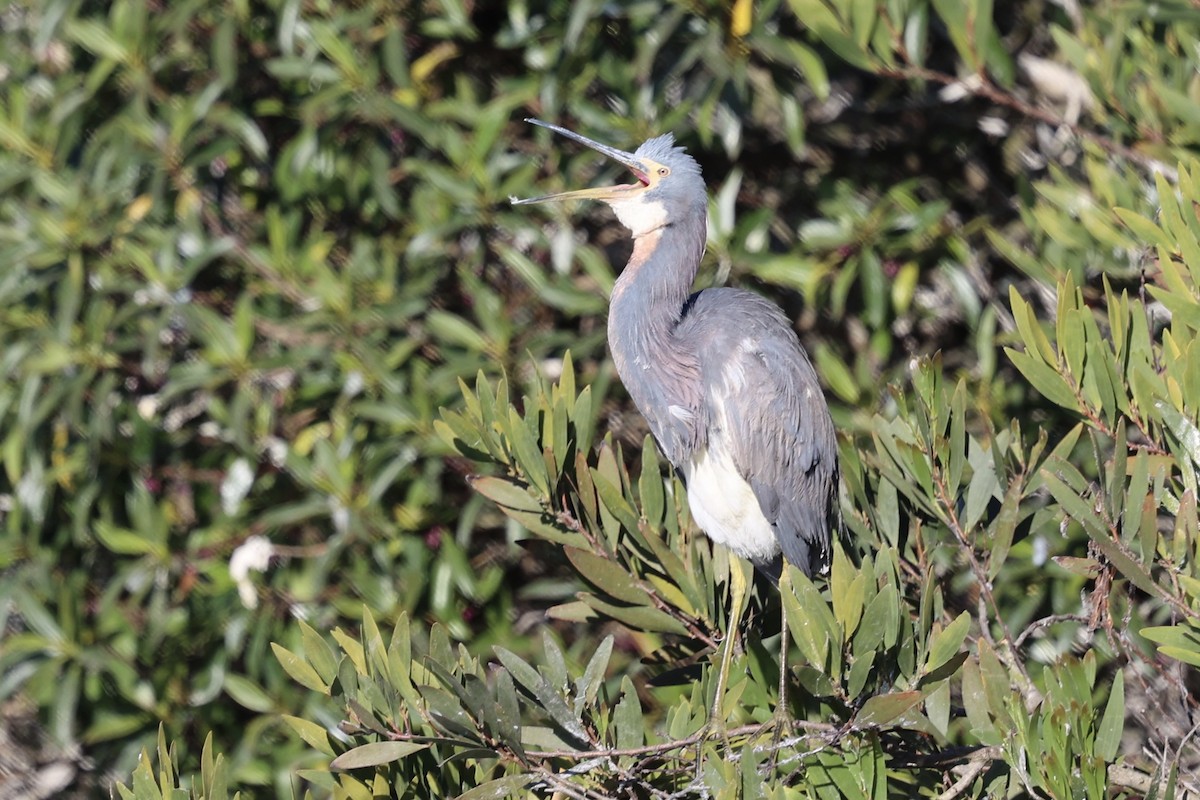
{"type": "Point", "coordinates": [985, 585]}
{"type": "Point", "coordinates": [977, 762]}
{"type": "Point", "coordinates": [666, 747]}
{"type": "Point", "coordinates": [1130, 778]}
{"type": "Point", "coordinates": [1045, 622]}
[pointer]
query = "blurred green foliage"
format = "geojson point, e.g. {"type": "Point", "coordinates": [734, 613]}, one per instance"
{"type": "Point", "coordinates": [251, 250]}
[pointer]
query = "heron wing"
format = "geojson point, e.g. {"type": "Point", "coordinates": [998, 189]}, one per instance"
{"type": "Point", "coordinates": [766, 404]}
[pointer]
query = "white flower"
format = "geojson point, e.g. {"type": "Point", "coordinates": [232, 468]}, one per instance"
{"type": "Point", "coordinates": [1041, 550]}
{"type": "Point", "coordinates": [147, 406]}
{"type": "Point", "coordinates": [353, 385]}
{"type": "Point", "coordinates": [277, 450]}
{"type": "Point", "coordinates": [236, 486]}
{"type": "Point", "coordinates": [1060, 84]}
{"type": "Point", "coordinates": [254, 555]}
{"type": "Point", "coordinates": [340, 516]}
{"type": "Point", "coordinates": [958, 90]}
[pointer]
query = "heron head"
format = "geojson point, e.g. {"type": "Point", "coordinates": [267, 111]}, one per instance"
{"type": "Point", "coordinates": [668, 184]}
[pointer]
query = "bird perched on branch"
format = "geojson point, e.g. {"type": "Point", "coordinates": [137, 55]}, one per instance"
{"type": "Point", "coordinates": [720, 376]}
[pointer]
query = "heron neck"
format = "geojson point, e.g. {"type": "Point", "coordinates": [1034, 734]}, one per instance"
{"type": "Point", "coordinates": [649, 295]}
{"type": "Point", "coordinates": [648, 302]}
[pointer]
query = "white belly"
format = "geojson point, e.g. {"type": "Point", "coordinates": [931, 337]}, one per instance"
{"type": "Point", "coordinates": [725, 508]}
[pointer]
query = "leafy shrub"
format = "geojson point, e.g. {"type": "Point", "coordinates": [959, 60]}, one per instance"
{"type": "Point", "coordinates": [251, 251]}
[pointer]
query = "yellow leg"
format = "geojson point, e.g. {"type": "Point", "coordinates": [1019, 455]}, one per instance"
{"type": "Point", "coordinates": [785, 638]}
{"type": "Point", "coordinates": [739, 581]}
{"type": "Point", "coordinates": [783, 716]}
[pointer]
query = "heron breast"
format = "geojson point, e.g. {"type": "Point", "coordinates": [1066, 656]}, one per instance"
{"type": "Point", "coordinates": [725, 508]}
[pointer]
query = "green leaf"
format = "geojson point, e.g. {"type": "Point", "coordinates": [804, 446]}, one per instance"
{"type": "Point", "coordinates": [887, 512]}
{"type": "Point", "coordinates": [318, 653]}
{"type": "Point", "coordinates": [166, 766]}
{"type": "Point", "coordinates": [454, 329]}
{"type": "Point", "coordinates": [214, 773]}
{"type": "Point", "coordinates": [498, 788]}
{"type": "Point", "coordinates": [353, 650]}
{"type": "Point", "coordinates": [1180, 635]}
{"type": "Point", "coordinates": [144, 785]}
{"type": "Point", "coordinates": [108, 727]}
{"type": "Point", "coordinates": [1045, 380]}
{"type": "Point", "coordinates": [614, 501]}
{"type": "Point", "coordinates": [864, 15]}
{"type": "Point", "coordinates": [607, 576]}
{"type": "Point", "coordinates": [544, 525]}
{"type": "Point", "coordinates": [547, 696]}
{"type": "Point", "coordinates": [627, 717]}
{"type": "Point", "coordinates": [638, 618]}
{"type": "Point", "coordinates": [1183, 429]}
{"type": "Point", "coordinates": [1004, 527]}
{"type": "Point", "coordinates": [945, 644]}
{"type": "Point", "coordinates": [1178, 300]}
{"type": "Point", "coordinates": [1185, 654]}
{"type": "Point", "coordinates": [875, 621]}
{"type": "Point", "coordinates": [948, 669]}
{"type": "Point", "coordinates": [248, 694]}
{"type": "Point", "coordinates": [1144, 230]}
{"type": "Point", "coordinates": [811, 66]}
{"type": "Point", "coordinates": [811, 622]}
{"type": "Point", "coordinates": [996, 683]}
{"type": "Point", "coordinates": [376, 754]}
{"type": "Point", "coordinates": [506, 492]}
{"type": "Point", "coordinates": [125, 542]}
{"type": "Point", "coordinates": [300, 670]}
{"type": "Point", "coordinates": [836, 374]}
{"type": "Point", "coordinates": [575, 611]}
{"type": "Point", "coordinates": [1112, 724]}
{"type": "Point", "coordinates": [650, 485]}
{"type": "Point", "coordinates": [554, 668]}
{"type": "Point", "coordinates": [447, 715]}
{"type": "Point", "coordinates": [983, 487]}
{"type": "Point", "coordinates": [588, 685]}
{"type": "Point", "coordinates": [860, 670]}
{"type": "Point", "coordinates": [1078, 509]}
{"type": "Point", "coordinates": [937, 707]}
{"type": "Point", "coordinates": [848, 587]}
{"type": "Point", "coordinates": [956, 15]}
{"type": "Point", "coordinates": [312, 733]}
{"type": "Point", "coordinates": [528, 453]}
{"type": "Point", "coordinates": [508, 712]}
{"type": "Point", "coordinates": [975, 703]}
{"type": "Point", "coordinates": [99, 40]}
{"type": "Point", "coordinates": [884, 708]}
{"type": "Point", "coordinates": [1030, 329]}
{"type": "Point", "coordinates": [958, 451]}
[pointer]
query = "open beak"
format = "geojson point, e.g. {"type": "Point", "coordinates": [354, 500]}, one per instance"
{"type": "Point", "coordinates": [639, 170]}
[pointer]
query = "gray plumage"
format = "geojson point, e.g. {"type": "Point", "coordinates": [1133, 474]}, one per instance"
{"type": "Point", "coordinates": [720, 375]}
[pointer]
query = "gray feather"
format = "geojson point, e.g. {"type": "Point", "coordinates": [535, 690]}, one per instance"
{"type": "Point", "coordinates": [780, 434]}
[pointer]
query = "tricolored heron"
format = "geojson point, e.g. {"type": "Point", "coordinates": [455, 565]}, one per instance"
{"type": "Point", "coordinates": [721, 378]}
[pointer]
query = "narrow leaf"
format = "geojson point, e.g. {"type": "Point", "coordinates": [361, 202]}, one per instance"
{"type": "Point", "coordinates": [1112, 725]}
{"type": "Point", "coordinates": [506, 492]}
{"type": "Point", "coordinates": [498, 788]}
{"type": "Point", "coordinates": [607, 576]}
{"type": "Point", "coordinates": [946, 643]}
{"type": "Point", "coordinates": [312, 733]}
{"type": "Point", "coordinates": [375, 754]}
{"type": "Point", "coordinates": [299, 669]}
{"type": "Point", "coordinates": [884, 708]}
